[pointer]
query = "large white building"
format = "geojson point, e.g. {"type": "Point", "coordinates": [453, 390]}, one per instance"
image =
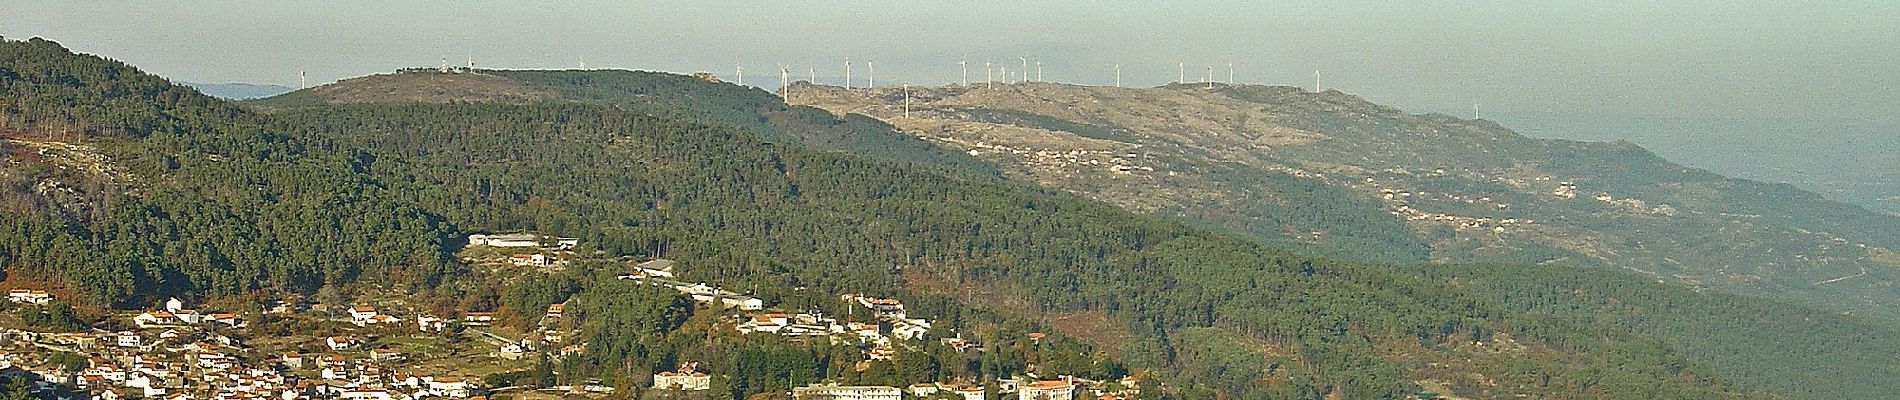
{"type": "Point", "coordinates": [835, 392]}
{"type": "Point", "coordinates": [506, 240]}
{"type": "Point", "coordinates": [1047, 390]}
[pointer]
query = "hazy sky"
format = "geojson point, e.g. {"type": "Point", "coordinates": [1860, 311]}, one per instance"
{"type": "Point", "coordinates": [1796, 59]}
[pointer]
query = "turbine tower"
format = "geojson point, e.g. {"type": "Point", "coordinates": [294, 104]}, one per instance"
{"type": "Point", "coordinates": [784, 81]}
{"type": "Point", "coordinates": [989, 78]}
{"type": "Point", "coordinates": [873, 67]}
{"type": "Point", "coordinates": [303, 79]}
{"type": "Point", "coordinates": [1118, 75]}
{"type": "Point", "coordinates": [847, 72]}
{"type": "Point", "coordinates": [740, 76]}
{"type": "Point", "coordinates": [1183, 69]}
{"type": "Point", "coordinates": [1474, 110]}
{"type": "Point", "coordinates": [1230, 74]}
{"type": "Point", "coordinates": [1023, 73]}
{"type": "Point", "coordinates": [906, 101]}
{"type": "Point", "coordinates": [814, 75]}
{"type": "Point", "coordinates": [1005, 69]}
{"type": "Point", "coordinates": [1316, 85]}
{"type": "Point", "coordinates": [1039, 71]}
{"type": "Point", "coordinates": [1210, 77]}
{"type": "Point", "coordinates": [965, 79]}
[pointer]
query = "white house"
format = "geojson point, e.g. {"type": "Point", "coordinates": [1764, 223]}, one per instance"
{"type": "Point", "coordinates": [187, 316]}
{"type": "Point", "coordinates": [25, 296]}
{"type": "Point", "coordinates": [293, 360]}
{"type": "Point", "coordinates": [385, 355]}
{"type": "Point", "coordinates": [129, 339]}
{"type": "Point", "coordinates": [151, 319]}
{"type": "Point", "coordinates": [226, 319]}
{"type": "Point", "coordinates": [174, 304]}
{"type": "Point", "coordinates": [971, 393]}
{"type": "Point", "coordinates": [340, 342]}
{"type": "Point", "coordinates": [431, 323]}
{"type": "Point", "coordinates": [362, 313]}
{"type": "Point", "coordinates": [449, 387]}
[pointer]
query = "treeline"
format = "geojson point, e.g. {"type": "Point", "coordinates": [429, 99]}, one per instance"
{"type": "Point", "coordinates": [1796, 351]}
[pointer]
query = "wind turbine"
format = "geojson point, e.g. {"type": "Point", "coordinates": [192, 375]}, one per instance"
{"type": "Point", "coordinates": [1005, 74]}
{"type": "Point", "coordinates": [1183, 70]}
{"type": "Point", "coordinates": [1023, 73]}
{"type": "Point", "coordinates": [740, 75]}
{"type": "Point", "coordinates": [965, 79]}
{"type": "Point", "coordinates": [1316, 85]}
{"type": "Point", "coordinates": [784, 81]}
{"type": "Point", "coordinates": [814, 75]}
{"type": "Point", "coordinates": [1230, 74]}
{"type": "Point", "coordinates": [907, 101]}
{"type": "Point", "coordinates": [1039, 71]}
{"type": "Point", "coordinates": [873, 68]}
{"type": "Point", "coordinates": [847, 72]}
{"type": "Point", "coordinates": [989, 79]}
{"type": "Point", "coordinates": [1210, 77]}
{"type": "Point", "coordinates": [303, 79]}
{"type": "Point", "coordinates": [1118, 75]}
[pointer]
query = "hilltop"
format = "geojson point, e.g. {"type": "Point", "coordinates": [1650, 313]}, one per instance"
{"type": "Point", "coordinates": [1333, 174]}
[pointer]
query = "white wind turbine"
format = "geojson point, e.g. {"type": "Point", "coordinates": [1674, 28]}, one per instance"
{"type": "Point", "coordinates": [965, 79]}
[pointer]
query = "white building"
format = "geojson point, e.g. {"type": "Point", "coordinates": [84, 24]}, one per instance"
{"type": "Point", "coordinates": [683, 380]}
{"type": "Point", "coordinates": [505, 240]}
{"type": "Point", "coordinates": [25, 296]}
{"type": "Point", "coordinates": [340, 342]}
{"type": "Point", "coordinates": [835, 392]}
{"type": "Point", "coordinates": [1047, 390]}
{"type": "Point", "coordinates": [174, 304]}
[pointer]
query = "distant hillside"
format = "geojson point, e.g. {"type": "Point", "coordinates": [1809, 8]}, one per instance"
{"type": "Point", "coordinates": [1332, 174]}
{"type": "Point", "coordinates": [239, 91]}
{"type": "Point", "coordinates": [1835, 158]}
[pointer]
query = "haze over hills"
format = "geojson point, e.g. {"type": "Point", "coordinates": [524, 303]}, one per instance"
{"type": "Point", "coordinates": [1333, 174]}
{"type": "Point", "coordinates": [239, 91]}
{"type": "Point", "coordinates": [1848, 161]}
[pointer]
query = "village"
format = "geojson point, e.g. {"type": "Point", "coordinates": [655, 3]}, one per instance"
{"type": "Point", "coordinates": [176, 350]}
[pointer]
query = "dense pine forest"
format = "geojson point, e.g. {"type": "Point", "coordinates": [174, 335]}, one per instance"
{"type": "Point", "coordinates": [162, 191]}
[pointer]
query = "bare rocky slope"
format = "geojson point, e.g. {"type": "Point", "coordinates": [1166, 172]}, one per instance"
{"type": "Point", "coordinates": [1333, 174]}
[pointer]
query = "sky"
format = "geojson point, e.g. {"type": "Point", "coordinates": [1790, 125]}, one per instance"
{"type": "Point", "coordinates": [1727, 59]}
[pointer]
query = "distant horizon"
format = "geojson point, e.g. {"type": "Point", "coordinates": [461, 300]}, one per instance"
{"type": "Point", "coordinates": [1672, 59]}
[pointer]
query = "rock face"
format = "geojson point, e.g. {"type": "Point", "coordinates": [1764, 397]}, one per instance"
{"type": "Point", "coordinates": [1333, 174]}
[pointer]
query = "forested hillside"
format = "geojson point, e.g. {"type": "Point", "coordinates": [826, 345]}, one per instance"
{"type": "Point", "coordinates": [1330, 173]}
{"type": "Point", "coordinates": [123, 188]}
